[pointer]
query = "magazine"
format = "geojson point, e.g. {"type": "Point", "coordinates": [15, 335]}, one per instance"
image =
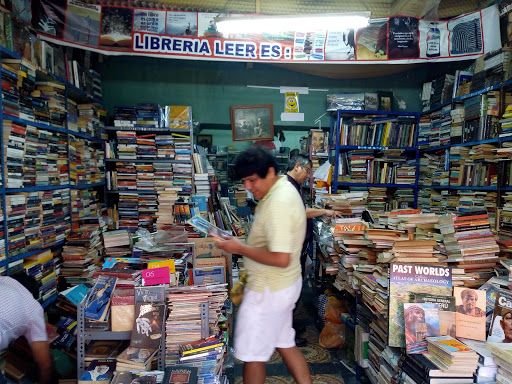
{"type": "Point", "coordinates": [421, 321]}
{"type": "Point", "coordinates": [501, 323]}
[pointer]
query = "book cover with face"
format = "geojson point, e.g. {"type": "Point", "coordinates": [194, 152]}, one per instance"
{"type": "Point", "coordinates": [501, 323]}
{"type": "Point", "coordinates": [421, 320]}
{"type": "Point", "coordinates": [470, 313]}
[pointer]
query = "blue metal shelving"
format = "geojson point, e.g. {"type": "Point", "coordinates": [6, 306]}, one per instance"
{"type": "Point", "coordinates": [70, 92]}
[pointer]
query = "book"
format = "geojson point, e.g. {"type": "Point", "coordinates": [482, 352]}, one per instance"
{"type": "Point", "coordinates": [99, 371]}
{"type": "Point", "coordinates": [209, 275]}
{"type": "Point", "coordinates": [139, 357]}
{"type": "Point", "coordinates": [501, 350]}
{"type": "Point", "coordinates": [98, 300]}
{"type": "Point", "coordinates": [421, 320]}
{"type": "Point", "coordinates": [500, 330]}
{"type": "Point", "coordinates": [179, 374]}
{"type": "Point", "coordinates": [406, 280]}
{"type": "Point", "coordinates": [208, 228]}
{"type": "Point", "coordinates": [129, 378]}
{"type": "Point", "coordinates": [148, 325]}
{"type": "Point", "coordinates": [446, 311]}
{"type": "Point", "coordinates": [101, 349]}
{"type": "Point", "coordinates": [470, 313]}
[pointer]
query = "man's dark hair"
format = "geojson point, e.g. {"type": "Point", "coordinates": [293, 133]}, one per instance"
{"type": "Point", "coordinates": [255, 160]}
{"type": "Point", "coordinates": [29, 282]}
{"type": "Point", "coordinates": [301, 159]}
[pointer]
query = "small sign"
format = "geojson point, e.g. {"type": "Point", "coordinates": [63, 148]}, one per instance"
{"type": "Point", "coordinates": [291, 103]}
{"type": "Point", "coordinates": [163, 263]}
{"type": "Point", "coordinates": [155, 276]}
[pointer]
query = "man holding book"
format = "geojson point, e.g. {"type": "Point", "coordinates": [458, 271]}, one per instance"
{"type": "Point", "coordinates": [272, 260]}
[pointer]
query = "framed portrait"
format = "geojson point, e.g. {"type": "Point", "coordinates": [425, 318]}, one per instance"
{"type": "Point", "coordinates": [319, 143]}
{"type": "Point", "coordinates": [204, 141]}
{"type": "Point", "coordinates": [252, 122]}
{"type": "Point", "coordinates": [385, 100]}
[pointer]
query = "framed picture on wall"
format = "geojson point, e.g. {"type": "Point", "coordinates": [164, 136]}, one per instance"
{"type": "Point", "coordinates": [204, 141]}
{"type": "Point", "coordinates": [252, 122]}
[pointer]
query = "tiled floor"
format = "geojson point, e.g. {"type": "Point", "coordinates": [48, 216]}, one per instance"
{"type": "Point", "coordinates": [324, 364]}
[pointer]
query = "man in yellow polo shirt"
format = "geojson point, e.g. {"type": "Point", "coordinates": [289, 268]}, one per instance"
{"type": "Point", "coordinates": [272, 259]}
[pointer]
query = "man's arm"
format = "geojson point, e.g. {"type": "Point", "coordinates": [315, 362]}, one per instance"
{"type": "Point", "coordinates": [315, 212]}
{"type": "Point", "coordinates": [260, 254]}
{"type": "Point", "coordinates": [43, 358]}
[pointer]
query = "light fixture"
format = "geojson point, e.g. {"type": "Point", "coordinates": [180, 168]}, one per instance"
{"type": "Point", "coordinates": [286, 23]}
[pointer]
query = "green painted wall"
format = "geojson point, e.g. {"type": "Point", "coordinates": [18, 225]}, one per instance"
{"type": "Point", "coordinates": [212, 87]}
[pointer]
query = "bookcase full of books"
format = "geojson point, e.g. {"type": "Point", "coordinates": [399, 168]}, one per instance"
{"type": "Point", "coordinates": [150, 165]}
{"type": "Point", "coordinates": [375, 152]}
{"type": "Point", "coordinates": [53, 171]}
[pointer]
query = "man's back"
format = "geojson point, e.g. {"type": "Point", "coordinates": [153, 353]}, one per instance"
{"type": "Point", "coordinates": [20, 314]}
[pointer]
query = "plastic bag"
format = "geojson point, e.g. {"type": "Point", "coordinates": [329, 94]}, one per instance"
{"type": "Point", "coordinates": [237, 292]}
{"type": "Point", "coordinates": [145, 237]}
{"type": "Point", "coordinates": [332, 335]}
{"type": "Point", "coordinates": [333, 310]}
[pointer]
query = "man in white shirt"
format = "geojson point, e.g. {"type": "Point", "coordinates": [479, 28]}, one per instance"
{"type": "Point", "coordinates": [22, 315]}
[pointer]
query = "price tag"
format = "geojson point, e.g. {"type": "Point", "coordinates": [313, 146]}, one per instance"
{"type": "Point", "coordinates": [163, 263]}
{"type": "Point", "coordinates": [155, 276]}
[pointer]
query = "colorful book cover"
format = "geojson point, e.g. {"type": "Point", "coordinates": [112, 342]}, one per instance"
{"type": "Point", "coordinates": [446, 311]}
{"type": "Point", "coordinates": [491, 291]}
{"type": "Point", "coordinates": [449, 344]}
{"type": "Point", "coordinates": [501, 323]}
{"type": "Point", "coordinates": [98, 300]}
{"type": "Point", "coordinates": [132, 378]}
{"type": "Point", "coordinates": [470, 313]}
{"type": "Point", "coordinates": [406, 280]}
{"type": "Point", "coordinates": [99, 371]}
{"type": "Point", "coordinates": [177, 374]}
{"type": "Point", "coordinates": [148, 325]}
{"type": "Point", "coordinates": [421, 320]}
{"type": "Point", "coordinates": [209, 275]}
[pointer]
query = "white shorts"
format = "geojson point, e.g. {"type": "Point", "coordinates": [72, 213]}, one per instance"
{"type": "Point", "coordinates": [264, 322]}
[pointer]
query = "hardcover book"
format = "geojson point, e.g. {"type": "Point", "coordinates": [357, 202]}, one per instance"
{"type": "Point", "coordinates": [406, 280]}
{"type": "Point", "coordinates": [148, 325]}
{"type": "Point", "coordinates": [129, 378]}
{"type": "Point", "coordinates": [182, 375]}
{"type": "Point", "coordinates": [500, 330]}
{"type": "Point", "coordinates": [470, 313]}
{"type": "Point", "coordinates": [421, 320]}
{"type": "Point", "coordinates": [136, 356]}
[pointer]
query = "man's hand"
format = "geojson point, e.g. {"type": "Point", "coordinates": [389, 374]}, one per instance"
{"type": "Point", "coordinates": [229, 244]}
{"type": "Point", "coordinates": [332, 213]}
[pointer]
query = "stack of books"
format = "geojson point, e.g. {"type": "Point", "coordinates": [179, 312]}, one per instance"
{"type": "Point", "coordinates": [165, 146]}
{"type": "Point", "coordinates": [451, 355]}
{"type": "Point", "coordinates": [501, 354]}
{"type": "Point", "coordinates": [124, 116]}
{"type": "Point", "coordinates": [205, 354]}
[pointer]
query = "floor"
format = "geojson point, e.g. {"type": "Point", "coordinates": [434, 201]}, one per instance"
{"type": "Point", "coordinates": [325, 366]}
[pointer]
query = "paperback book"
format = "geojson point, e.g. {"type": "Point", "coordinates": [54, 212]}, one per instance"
{"type": "Point", "coordinates": [421, 320]}
{"type": "Point", "coordinates": [500, 330]}
{"type": "Point", "coordinates": [99, 371]}
{"type": "Point", "coordinates": [148, 325]}
{"type": "Point", "coordinates": [446, 311]}
{"type": "Point", "coordinates": [181, 375]}
{"type": "Point", "coordinates": [470, 313]}
{"type": "Point", "coordinates": [98, 300]}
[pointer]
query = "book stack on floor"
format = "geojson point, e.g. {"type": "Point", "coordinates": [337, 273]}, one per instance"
{"type": "Point", "coordinates": [207, 355]}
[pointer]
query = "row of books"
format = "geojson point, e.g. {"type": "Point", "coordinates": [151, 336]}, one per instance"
{"type": "Point", "coordinates": [148, 116]}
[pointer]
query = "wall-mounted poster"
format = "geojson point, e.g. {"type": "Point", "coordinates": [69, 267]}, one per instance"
{"type": "Point", "coordinates": [148, 20]}
{"type": "Point", "coordinates": [433, 39]}
{"type": "Point", "coordinates": [48, 16]}
{"type": "Point", "coordinates": [403, 37]}
{"type": "Point", "coordinates": [372, 42]}
{"type": "Point", "coordinates": [340, 45]}
{"type": "Point", "coordinates": [206, 24]}
{"type": "Point", "coordinates": [82, 23]}
{"type": "Point", "coordinates": [116, 28]}
{"type": "Point", "coordinates": [466, 35]}
{"type": "Point", "coordinates": [181, 24]}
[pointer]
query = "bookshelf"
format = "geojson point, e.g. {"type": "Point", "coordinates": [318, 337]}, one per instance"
{"type": "Point", "coordinates": [376, 150]}
{"type": "Point", "coordinates": [52, 164]}
{"type": "Point", "coordinates": [460, 169]}
{"type": "Point", "coordinates": [146, 164]}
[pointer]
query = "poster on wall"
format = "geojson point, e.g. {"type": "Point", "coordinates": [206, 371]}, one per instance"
{"type": "Point", "coordinates": [82, 23]}
{"type": "Point", "coordinates": [192, 35]}
{"type": "Point", "coordinates": [181, 24]}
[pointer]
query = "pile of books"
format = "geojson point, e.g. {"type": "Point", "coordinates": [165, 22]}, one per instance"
{"type": "Point", "coordinates": [207, 355]}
